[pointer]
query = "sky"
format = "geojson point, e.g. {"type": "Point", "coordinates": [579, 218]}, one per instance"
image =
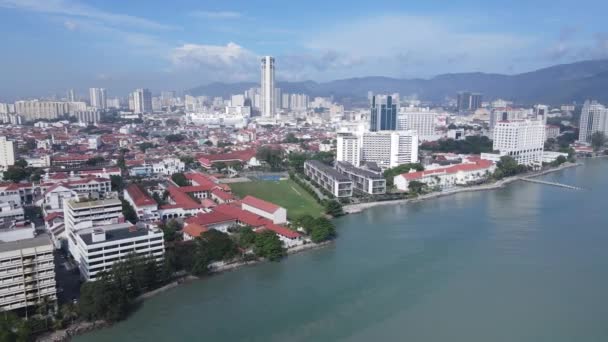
{"type": "Point", "coordinates": [49, 46]}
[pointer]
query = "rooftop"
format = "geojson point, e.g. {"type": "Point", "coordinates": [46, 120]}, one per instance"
{"type": "Point", "coordinates": [330, 171]}
{"type": "Point", "coordinates": [95, 203]}
{"type": "Point", "coordinates": [38, 241]}
{"type": "Point", "coordinates": [358, 170]}
{"type": "Point", "coordinates": [114, 232]}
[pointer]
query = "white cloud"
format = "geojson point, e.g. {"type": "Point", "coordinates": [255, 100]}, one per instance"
{"type": "Point", "coordinates": [76, 9]}
{"type": "Point", "coordinates": [70, 25]}
{"type": "Point", "coordinates": [218, 62]}
{"type": "Point", "coordinates": [216, 14]}
{"type": "Point", "coordinates": [395, 45]}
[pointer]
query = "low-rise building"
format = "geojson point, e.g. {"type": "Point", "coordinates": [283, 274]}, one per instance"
{"type": "Point", "coordinates": [471, 171]}
{"type": "Point", "coordinates": [144, 205]}
{"type": "Point", "coordinates": [367, 179]}
{"type": "Point", "coordinates": [102, 246]}
{"type": "Point", "coordinates": [328, 178]}
{"type": "Point", "coordinates": [271, 211]}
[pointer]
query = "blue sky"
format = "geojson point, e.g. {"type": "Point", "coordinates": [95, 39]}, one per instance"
{"type": "Point", "coordinates": [52, 45]}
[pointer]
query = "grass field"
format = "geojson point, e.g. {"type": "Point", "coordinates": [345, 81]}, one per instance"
{"type": "Point", "coordinates": [285, 193]}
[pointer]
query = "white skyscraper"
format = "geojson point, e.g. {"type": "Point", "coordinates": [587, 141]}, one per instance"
{"type": "Point", "coordinates": [97, 97]}
{"type": "Point", "coordinates": [71, 95]}
{"type": "Point", "coordinates": [389, 148]}
{"type": "Point", "coordinates": [267, 87]}
{"type": "Point", "coordinates": [594, 118]}
{"type": "Point", "coordinates": [7, 153]}
{"type": "Point", "coordinates": [348, 148]}
{"type": "Point", "coordinates": [422, 120]}
{"type": "Point", "coordinates": [142, 101]}
{"type": "Point", "coordinates": [524, 140]}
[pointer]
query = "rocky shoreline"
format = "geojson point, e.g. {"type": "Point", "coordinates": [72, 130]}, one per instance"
{"type": "Point", "coordinates": [357, 208]}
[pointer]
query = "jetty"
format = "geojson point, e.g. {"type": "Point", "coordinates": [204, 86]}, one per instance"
{"type": "Point", "coordinates": [565, 186]}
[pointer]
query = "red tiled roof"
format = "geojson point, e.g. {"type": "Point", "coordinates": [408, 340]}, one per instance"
{"type": "Point", "coordinates": [53, 216]}
{"type": "Point", "coordinates": [140, 197]}
{"type": "Point", "coordinates": [213, 217]}
{"type": "Point", "coordinates": [288, 233]}
{"type": "Point", "coordinates": [181, 199]}
{"type": "Point", "coordinates": [221, 194]}
{"type": "Point", "coordinates": [241, 215]}
{"type": "Point", "coordinates": [260, 204]}
{"type": "Point", "coordinates": [195, 230]}
{"type": "Point", "coordinates": [478, 165]}
{"type": "Point", "coordinates": [240, 156]}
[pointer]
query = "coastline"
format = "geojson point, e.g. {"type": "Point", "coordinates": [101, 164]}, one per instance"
{"type": "Point", "coordinates": [82, 328]}
{"type": "Point", "coordinates": [360, 207]}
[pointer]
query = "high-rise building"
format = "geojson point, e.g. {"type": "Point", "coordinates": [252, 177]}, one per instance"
{"type": "Point", "coordinates": [383, 113]}
{"type": "Point", "coordinates": [34, 109]}
{"type": "Point", "coordinates": [267, 88]}
{"type": "Point", "coordinates": [277, 99]}
{"type": "Point", "coordinates": [421, 120]}
{"type": "Point", "coordinates": [468, 101]}
{"type": "Point", "coordinates": [348, 148]}
{"type": "Point", "coordinates": [524, 140]}
{"type": "Point", "coordinates": [285, 101]}
{"type": "Point", "coordinates": [113, 103]}
{"type": "Point", "coordinates": [97, 97]}
{"type": "Point", "coordinates": [7, 153]}
{"type": "Point", "coordinates": [142, 101]}
{"type": "Point", "coordinates": [507, 114]}
{"type": "Point", "coordinates": [27, 269]}
{"type": "Point", "coordinates": [389, 148]}
{"type": "Point", "coordinates": [71, 95]}
{"type": "Point", "coordinates": [237, 100]}
{"type": "Point", "coordinates": [594, 118]}
{"type": "Point", "coordinates": [166, 98]}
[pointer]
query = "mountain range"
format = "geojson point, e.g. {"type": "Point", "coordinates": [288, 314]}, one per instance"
{"type": "Point", "coordinates": [559, 84]}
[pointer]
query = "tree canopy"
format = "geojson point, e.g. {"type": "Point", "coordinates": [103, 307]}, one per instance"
{"type": "Point", "coordinates": [268, 245]}
{"type": "Point", "coordinates": [598, 140]}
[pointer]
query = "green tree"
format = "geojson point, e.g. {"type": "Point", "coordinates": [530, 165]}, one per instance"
{"type": "Point", "coordinates": [179, 179]}
{"type": "Point", "coordinates": [334, 208]}
{"type": "Point", "coordinates": [507, 167]}
{"type": "Point", "coordinates": [306, 222]}
{"type": "Point", "coordinates": [598, 140]}
{"type": "Point", "coordinates": [117, 183]}
{"type": "Point", "coordinates": [290, 138]}
{"type": "Point", "coordinates": [273, 157]}
{"type": "Point", "coordinates": [269, 246]}
{"type": "Point", "coordinates": [146, 145]}
{"type": "Point", "coordinates": [15, 174]}
{"type": "Point", "coordinates": [128, 211]}
{"type": "Point", "coordinates": [390, 174]}
{"type": "Point", "coordinates": [322, 230]}
{"type": "Point", "coordinates": [172, 138]}
{"type": "Point", "coordinates": [416, 187]}
{"type": "Point", "coordinates": [170, 230]}
{"type": "Point", "coordinates": [21, 163]}
{"type": "Point", "coordinates": [296, 161]}
{"type": "Point", "coordinates": [215, 245]}
{"type": "Point", "coordinates": [246, 237]}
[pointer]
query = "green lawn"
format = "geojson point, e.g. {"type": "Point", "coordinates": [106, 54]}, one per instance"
{"type": "Point", "coordinates": [285, 193]}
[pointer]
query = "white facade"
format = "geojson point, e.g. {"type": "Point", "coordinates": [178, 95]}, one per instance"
{"type": "Point", "coordinates": [27, 272]}
{"type": "Point", "coordinates": [267, 87]}
{"type": "Point", "coordinates": [594, 118]}
{"type": "Point", "coordinates": [168, 166]}
{"type": "Point", "coordinates": [141, 101]}
{"type": "Point", "coordinates": [85, 214]}
{"type": "Point", "coordinates": [7, 153]}
{"type": "Point", "coordinates": [447, 177]}
{"type": "Point", "coordinates": [279, 216]}
{"type": "Point", "coordinates": [348, 149]}
{"type": "Point", "coordinates": [421, 120]}
{"type": "Point", "coordinates": [389, 148]}
{"type": "Point", "coordinates": [523, 140]}
{"type": "Point", "coordinates": [97, 97]}
{"type": "Point", "coordinates": [328, 178]}
{"type": "Point", "coordinates": [100, 247]}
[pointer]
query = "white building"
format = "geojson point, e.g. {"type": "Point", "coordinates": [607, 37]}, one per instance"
{"type": "Point", "coordinates": [268, 105]}
{"type": "Point", "coordinates": [328, 178]}
{"type": "Point", "coordinates": [27, 271]}
{"type": "Point", "coordinates": [271, 211]}
{"type": "Point", "coordinates": [523, 140]}
{"type": "Point", "coordinates": [348, 148]}
{"type": "Point", "coordinates": [389, 148]}
{"type": "Point", "coordinates": [141, 101]}
{"type": "Point", "coordinates": [594, 118]}
{"type": "Point", "coordinates": [168, 166]}
{"type": "Point", "coordinates": [82, 214]}
{"type": "Point", "coordinates": [99, 247]}
{"type": "Point", "coordinates": [7, 153]}
{"type": "Point", "coordinates": [144, 205]}
{"type": "Point", "coordinates": [421, 120]}
{"type": "Point", "coordinates": [368, 179]}
{"type": "Point", "coordinates": [97, 97]}
{"type": "Point", "coordinates": [551, 132]}
{"type": "Point", "coordinates": [446, 177]}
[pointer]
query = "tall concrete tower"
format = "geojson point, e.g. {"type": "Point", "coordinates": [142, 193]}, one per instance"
{"type": "Point", "coordinates": [267, 87]}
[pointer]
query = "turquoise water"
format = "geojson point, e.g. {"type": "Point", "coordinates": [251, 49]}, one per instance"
{"type": "Point", "coordinates": [524, 263]}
